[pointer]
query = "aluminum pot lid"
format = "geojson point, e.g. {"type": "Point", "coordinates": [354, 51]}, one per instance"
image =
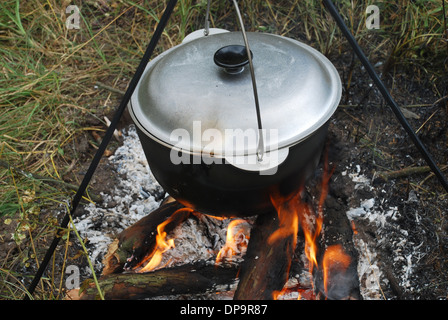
{"type": "Point", "coordinates": [185, 100]}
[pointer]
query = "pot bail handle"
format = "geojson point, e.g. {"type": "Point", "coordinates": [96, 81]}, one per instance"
{"type": "Point", "coordinates": [207, 22]}
{"type": "Point", "coordinates": [260, 147]}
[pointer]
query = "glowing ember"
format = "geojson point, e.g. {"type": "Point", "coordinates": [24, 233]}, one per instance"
{"type": "Point", "coordinates": [297, 292]}
{"type": "Point", "coordinates": [355, 231]}
{"type": "Point", "coordinates": [237, 240]}
{"type": "Point", "coordinates": [335, 263]}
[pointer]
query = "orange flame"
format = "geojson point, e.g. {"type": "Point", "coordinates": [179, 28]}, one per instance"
{"type": "Point", "coordinates": [277, 294]}
{"type": "Point", "coordinates": [162, 244]}
{"type": "Point", "coordinates": [288, 210]}
{"type": "Point", "coordinates": [235, 238]}
{"type": "Point", "coordinates": [294, 212]}
{"type": "Point", "coordinates": [310, 234]}
{"type": "Point", "coordinates": [335, 260]}
{"type": "Point", "coordinates": [311, 230]}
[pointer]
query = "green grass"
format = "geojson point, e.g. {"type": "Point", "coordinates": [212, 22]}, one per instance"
{"type": "Point", "coordinates": [48, 77]}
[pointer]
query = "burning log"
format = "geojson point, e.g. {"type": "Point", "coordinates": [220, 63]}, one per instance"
{"type": "Point", "coordinates": [139, 240]}
{"type": "Point", "coordinates": [186, 279]}
{"type": "Point", "coordinates": [266, 264]}
{"type": "Point", "coordinates": [336, 276]}
{"type": "Point", "coordinates": [125, 277]}
{"type": "Point", "coordinates": [268, 269]}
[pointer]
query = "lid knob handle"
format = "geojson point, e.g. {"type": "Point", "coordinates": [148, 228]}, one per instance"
{"type": "Point", "coordinates": [232, 58]}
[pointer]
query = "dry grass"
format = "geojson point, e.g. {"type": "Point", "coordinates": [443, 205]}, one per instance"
{"type": "Point", "coordinates": [49, 99]}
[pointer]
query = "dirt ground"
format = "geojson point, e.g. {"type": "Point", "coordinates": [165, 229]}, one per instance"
{"type": "Point", "coordinates": [369, 137]}
{"type": "Point", "coordinates": [417, 220]}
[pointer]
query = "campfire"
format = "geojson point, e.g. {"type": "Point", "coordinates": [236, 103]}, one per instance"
{"type": "Point", "coordinates": [176, 252]}
{"type": "Point", "coordinates": [309, 246]}
{"type": "Point", "coordinates": [219, 178]}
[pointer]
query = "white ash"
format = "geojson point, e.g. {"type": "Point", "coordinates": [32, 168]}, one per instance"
{"type": "Point", "coordinates": [129, 201]}
{"type": "Point", "coordinates": [380, 217]}
{"type": "Point", "coordinates": [361, 181]}
{"type": "Point", "coordinates": [135, 197]}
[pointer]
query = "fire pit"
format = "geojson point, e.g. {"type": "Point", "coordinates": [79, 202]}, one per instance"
{"type": "Point", "coordinates": [289, 253]}
{"type": "Point", "coordinates": [357, 215]}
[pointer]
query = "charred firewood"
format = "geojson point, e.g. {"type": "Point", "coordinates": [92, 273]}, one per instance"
{"type": "Point", "coordinates": [137, 241]}
{"type": "Point", "coordinates": [194, 278]}
{"type": "Point", "coordinates": [265, 269]}
{"type": "Point", "coordinates": [337, 248]}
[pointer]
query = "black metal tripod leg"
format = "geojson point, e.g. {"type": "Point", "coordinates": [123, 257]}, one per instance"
{"type": "Point", "coordinates": [393, 105]}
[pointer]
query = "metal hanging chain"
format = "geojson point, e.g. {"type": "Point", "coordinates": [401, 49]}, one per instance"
{"type": "Point", "coordinates": [260, 147]}
{"type": "Point", "coordinates": [107, 137]}
{"type": "Point", "coordinates": [393, 105]}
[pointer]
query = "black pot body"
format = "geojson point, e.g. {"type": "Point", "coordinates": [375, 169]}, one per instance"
{"type": "Point", "coordinates": [221, 189]}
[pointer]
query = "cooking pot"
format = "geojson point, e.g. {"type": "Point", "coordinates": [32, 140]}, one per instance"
{"type": "Point", "coordinates": [195, 113]}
